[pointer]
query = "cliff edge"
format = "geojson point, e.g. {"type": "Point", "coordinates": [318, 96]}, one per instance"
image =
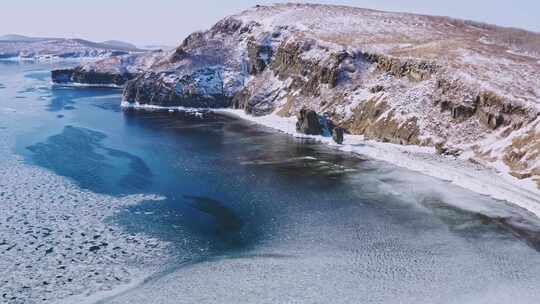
{"type": "Point", "coordinates": [471, 90]}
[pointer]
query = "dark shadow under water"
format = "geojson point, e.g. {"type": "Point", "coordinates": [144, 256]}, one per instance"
{"type": "Point", "coordinates": [79, 154]}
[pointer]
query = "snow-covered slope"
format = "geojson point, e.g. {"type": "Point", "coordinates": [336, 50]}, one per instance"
{"type": "Point", "coordinates": [470, 89]}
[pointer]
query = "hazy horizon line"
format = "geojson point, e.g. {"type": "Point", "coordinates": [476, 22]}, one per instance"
{"type": "Point", "coordinates": [206, 25]}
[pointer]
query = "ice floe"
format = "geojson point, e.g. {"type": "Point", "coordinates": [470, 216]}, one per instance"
{"type": "Point", "coordinates": [55, 238]}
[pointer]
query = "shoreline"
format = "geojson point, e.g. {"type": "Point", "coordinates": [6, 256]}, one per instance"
{"type": "Point", "coordinates": [101, 296]}
{"type": "Point", "coordinates": [86, 85]}
{"type": "Point", "coordinates": [475, 177]}
{"type": "Point", "coordinates": [463, 173]}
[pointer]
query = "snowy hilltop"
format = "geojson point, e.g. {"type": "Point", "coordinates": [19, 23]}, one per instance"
{"type": "Point", "coordinates": [468, 89]}
{"type": "Point", "coordinates": [17, 47]}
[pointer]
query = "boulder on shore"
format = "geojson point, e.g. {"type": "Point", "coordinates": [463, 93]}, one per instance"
{"type": "Point", "coordinates": [308, 122]}
{"type": "Point", "coordinates": [337, 135]}
{"type": "Point", "coordinates": [442, 149]}
{"type": "Point", "coordinates": [311, 123]}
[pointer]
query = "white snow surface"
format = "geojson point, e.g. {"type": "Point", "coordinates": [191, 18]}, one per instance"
{"type": "Point", "coordinates": [54, 240]}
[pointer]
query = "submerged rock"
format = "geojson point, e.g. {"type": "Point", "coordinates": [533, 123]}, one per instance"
{"type": "Point", "coordinates": [225, 217]}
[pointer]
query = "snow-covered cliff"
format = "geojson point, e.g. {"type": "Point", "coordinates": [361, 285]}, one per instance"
{"type": "Point", "coordinates": [467, 88]}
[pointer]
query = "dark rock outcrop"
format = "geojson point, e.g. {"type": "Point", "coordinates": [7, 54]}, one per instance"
{"type": "Point", "coordinates": [415, 70]}
{"type": "Point", "coordinates": [442, 149]}
{"type": "Point", "coordinates": [308, 123]}
{"type": "Point", "coordinates": [462, 112]}
{"type": "Point", "coordinates": [186, 91]}
{"type": "Point", "coordinates": [193, 41]}
{"type": "Point", "coordinates": [492, 110]}
{"type": "Point", "coordinates": [337, 135]}
{"type": "Point", "coordinates": [254, 104]}
{"type": "Point", "coordinates": [79, 75]}
{"type": "Point", "coordinates": [376, 89]}
{"type": "Point", "coordinates": [308, 75]}
{"type": "Point", "coordinates": [259, 56]}
{"type": "Point", "coordinates": [459, 112]}
{"type": "Point", "coordinates": [62, 76]}
{"type": "Point", "coordinates": [369, 121]}
{"type": "Point", "coordinates": [311, 123]}
{"type": "Point", "coordinates": [227, 26]}
{"type": "Point", "coordinates": [179, 54]}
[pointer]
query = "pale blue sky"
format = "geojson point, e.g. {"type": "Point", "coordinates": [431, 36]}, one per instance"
{"type": "Point", "coordinates": [169, 21]}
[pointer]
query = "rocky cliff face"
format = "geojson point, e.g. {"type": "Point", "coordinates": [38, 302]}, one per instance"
{"type": "Point", "coordinates": [399, 78]}
{"type": "Point", "coordinates": [201, 89]}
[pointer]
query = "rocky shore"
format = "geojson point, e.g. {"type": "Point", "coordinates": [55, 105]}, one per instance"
{"type": "Point", "coordinates": [398, 78]}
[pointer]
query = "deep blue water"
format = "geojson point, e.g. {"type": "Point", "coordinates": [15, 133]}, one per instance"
{"type": "Point", "coordinates": [217, 172]}
{"type": "Point", "coordinates": [237, 190]}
